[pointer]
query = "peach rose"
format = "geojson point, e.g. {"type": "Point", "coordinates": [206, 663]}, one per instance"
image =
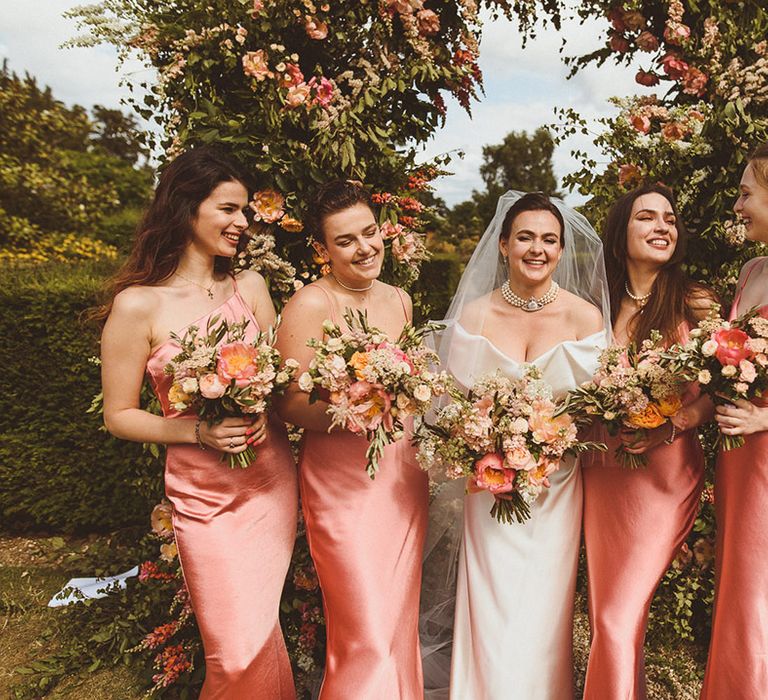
{"type": "Point", "coordinates": [359, 361]}
{"type": "Point", "coordinates": [297, 95]}
{"type": "Point", "coordinates": [641, 123]}
{"type": "Point", "coordinates": [211, 387]}
{"type": "Point", "coordinates": [546, 428]}
{"type": "Point", "coordinates": [649, 418]}
{"type": "Point", "coordinates": [669, 405]}
{"type": "Point", "coordinates": [288, 223]}
{"type": "Point", "coordinates": [315, 28]}
{"type": "Point", "coordinates": [267, 206]}
{"type": "Point", "coordinates": [255, 65]}
{"type": "Point", "coordinates": [519, 458]}
{"type": "Point", "coordinates": [237, 361]}
{"type": "Point", "coordinates": [178, 398]}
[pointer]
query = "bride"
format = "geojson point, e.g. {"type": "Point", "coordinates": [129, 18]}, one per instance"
{"type": "Point", "coordinates": [534, 292]}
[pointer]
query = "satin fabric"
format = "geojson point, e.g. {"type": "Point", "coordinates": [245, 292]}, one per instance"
{"type": "Point", "coordinates": [516, 583]}
{"type": "Point", "coordinates": [366, 538]}
{"type": "Point", "coordinates": [235, 530]}
{"type": "Point", "coordinates": [737, 668]}
{"type": "Point", "coordinates": [635, 521]}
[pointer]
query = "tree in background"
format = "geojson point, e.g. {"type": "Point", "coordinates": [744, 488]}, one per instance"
{"type": "Point", "coordinates": [519, 162]}
{"type": "Point", "coordinates": [60, 186]}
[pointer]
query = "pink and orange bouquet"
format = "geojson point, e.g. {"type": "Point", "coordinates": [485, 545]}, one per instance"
{"type": "Point", "coordinates": [507, 436]}
{"type": "Point", "coordinates": [632, 388]}
{"type": "Point", "coordinates": [373, 385]}
{"type": "Point", "coordinates": [221, 374]}
{"type": "Point", "coordinates": [729, 360]}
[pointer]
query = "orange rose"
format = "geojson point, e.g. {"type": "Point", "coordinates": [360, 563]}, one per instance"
{"type": "Point", "coordinates": [649, 418]}
{"type": "Point", "coordinates": [669, 405]}
{"type": "Point", "coordinates": [288, 223]}
{"type": "Point", "coordinates": [267, 206]}
{"type": "Point", "coordinates": [359, 361]}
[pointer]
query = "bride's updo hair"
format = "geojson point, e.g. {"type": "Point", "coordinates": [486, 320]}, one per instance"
{"type": "Point", "coordinates": [331, 198]}
{"type": "Point", "coordinates": [758, 159]}
{"type": "Point", "coordinates": [532, 201]}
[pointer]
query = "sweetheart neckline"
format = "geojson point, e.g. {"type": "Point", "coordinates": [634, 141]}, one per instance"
{"type": "Point", "coordinates": [496, 349]}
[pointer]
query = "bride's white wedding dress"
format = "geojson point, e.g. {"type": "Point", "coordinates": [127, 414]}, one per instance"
{"type": "Point", "coordinates": [516, 582]}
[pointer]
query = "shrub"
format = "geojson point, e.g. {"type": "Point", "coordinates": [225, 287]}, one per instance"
{"type": "Point", "coordinates": [57, 470]}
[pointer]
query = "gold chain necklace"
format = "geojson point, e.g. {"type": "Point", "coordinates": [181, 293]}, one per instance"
{"type": "Point", "coordinates": [208, 290]}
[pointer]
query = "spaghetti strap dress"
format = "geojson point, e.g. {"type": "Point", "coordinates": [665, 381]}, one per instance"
{"type": "Point", "coordinates": [235, 530]}
{"type": "Point", "coordinates": [366, 539]}
{"type": "Point", "coordinates": [635, 521]}
{"type": "Point", "coordinates": [737, 668]}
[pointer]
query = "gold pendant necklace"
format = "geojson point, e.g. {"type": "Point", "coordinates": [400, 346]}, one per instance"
{"type": "Point", "coordinates": [208, 290]}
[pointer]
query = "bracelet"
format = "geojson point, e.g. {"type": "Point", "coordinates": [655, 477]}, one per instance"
{"type": "Point", "coordinates": [197, 435]}
{"type": "Point", "coordinates": [672, 435]}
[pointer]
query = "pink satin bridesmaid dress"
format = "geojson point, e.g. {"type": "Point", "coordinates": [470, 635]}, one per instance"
{"type": "Point", "coordinates": [235, 530]}
{"type": "Point", "coordinates": [635, 521]}
{"type": "Point", "coordinates": [737, 668]}
{"type": "Point", "coordinates": [366, 538]}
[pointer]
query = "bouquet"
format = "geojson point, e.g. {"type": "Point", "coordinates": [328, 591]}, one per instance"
{"type": "Point", "coordinates": [221, 374]}
{"type": "Point", "coordinates": [632, 388]}
{"type": "Point", "coordinates": [729, 359]}
{"type": "Point", "coordinates": [507, 435]}
{"type": "Point", "coordinates": [372, 384]}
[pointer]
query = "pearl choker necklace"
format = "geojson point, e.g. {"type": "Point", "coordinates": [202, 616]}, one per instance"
{"type": "Point", "coordinates": [532, 304]}
{"type": "Point", "coordinates": [640, 301]}
{"type": "Point", "coordinates": [352, 289]}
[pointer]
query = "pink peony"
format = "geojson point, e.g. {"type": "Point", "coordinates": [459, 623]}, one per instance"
{"type": "Point", "coordinates": [237, 361]}
{"type": "Point", "coordinates": [491, 475]}
{"type": "Point", "coordinates": [316, 29]}
{"type": "Point", "coordinates": [255, 65]}
{"type": "Point", "coordinates": [297, 95]}
{"type": "Point", "coordinates": [674, 66]}
{"type": "Point", "coordinates": [540, 475]}
{"type": "Point", "coordinates": [546, 428]}
{"type": "Point", "coordinates": [646, 78]}
{"type": "Point", "coordinates": [211, 387]}
{"type": "Point", "coordinates": [324, 90]}
{"type": "Point", "coordinates": [370, 407]}
{"type": "Point", "coordinates": [731, 346]}
{"type": "Point", "coordinates": [647, 42]}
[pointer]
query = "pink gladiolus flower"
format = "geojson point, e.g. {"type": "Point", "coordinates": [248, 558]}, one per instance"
{"type": "Point", "coordinates": [297, 95]}
{"type": "Point", "coordinates": [323, 90]}
{"type": "Point", "coordinates": [237, 361]}
{"type": "Point", "coordinates": [674, 66]}
{"type": "Point", "coordinates": [646, 78]}
{"type": "Point", "coordinates": [491, 475]}
{"type": "Point", "coordinates": [731, 346]}
{"type": "Point", "coordinates": [255, 65]}
{"type": "Point", "coordinates": [315, 28]}
{"type": "Point", "coordinates": [211, 387]}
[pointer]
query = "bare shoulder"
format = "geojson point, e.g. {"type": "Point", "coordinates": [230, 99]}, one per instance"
{"type": "Point", "coordinates": [136, 303]}
{"type": "Point", "coordinates": [586, 317]}
{"type": "Point", "coordinates": [749, 266]}
{"type": "Point", "coordinates": [250, 283]}
{"type": "Point", "coordinates": [310, 300]}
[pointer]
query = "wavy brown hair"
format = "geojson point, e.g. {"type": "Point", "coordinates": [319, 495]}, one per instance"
{"type": "Point", "coordinates": [758, 159]}
{"type": "Point", "coordinates": [675, 298]}
{"type": "Point", "coordinates": [166, 227]}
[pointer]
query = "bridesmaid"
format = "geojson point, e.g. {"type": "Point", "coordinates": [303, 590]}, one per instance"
{"type": "Point", "coordinates": [636, 520]}
{"type": "Point", "coordinates": [366, 537]}
{"type": "Point", "coordinates": [738, 654]}
{"type": "Point", "coordinates": [234, 527]}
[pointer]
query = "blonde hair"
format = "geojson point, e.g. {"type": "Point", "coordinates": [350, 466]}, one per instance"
{"type": "Point", "coordinates": [758, 159]}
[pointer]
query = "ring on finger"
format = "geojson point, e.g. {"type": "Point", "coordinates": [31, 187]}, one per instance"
{"type": "Point", "coordinates": [231, 444]}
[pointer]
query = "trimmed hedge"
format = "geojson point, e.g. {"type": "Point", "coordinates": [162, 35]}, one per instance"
{"type": "Point", "coordinates": [58, 469]}
{"type": "Point", "coordinates": [436, 285]}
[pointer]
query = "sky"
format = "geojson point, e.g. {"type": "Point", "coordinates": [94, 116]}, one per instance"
{"type": "Point", "coordinates": [522, 85]}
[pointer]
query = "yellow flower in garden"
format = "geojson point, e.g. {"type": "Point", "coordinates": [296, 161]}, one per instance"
{"type": "Point", "coordinates": [651, 417]}
{"type": "Point", "coordinates": [288, 223]}
{"type": "Point", "coordinates": [670, 405]}
{"type": "Point", "coordinates": [359, 361]}
{"type": "Point", "coordinates": [267, 206]}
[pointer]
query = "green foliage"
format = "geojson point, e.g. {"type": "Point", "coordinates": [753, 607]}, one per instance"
{"type": "Point", "coordinates": [57, 470]}
{"type": "Point", "coordinates": [436, 285]}
{"type": "Point", "coordinates": [58, 178]}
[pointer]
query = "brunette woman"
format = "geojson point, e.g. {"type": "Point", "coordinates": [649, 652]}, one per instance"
{"type": "Point", "coordinates": [636, 520]}
{"type": "Point", "coordinates": [234, 527]}
{"type": "Point", "coordinates": [366, 537]}
{"type": "Point", "coordinates": [738, 654]}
